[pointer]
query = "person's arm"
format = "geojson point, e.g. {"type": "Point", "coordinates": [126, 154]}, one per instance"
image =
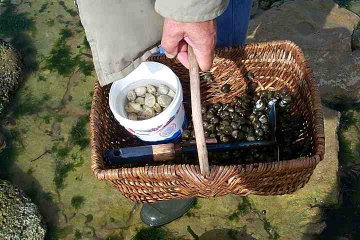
{"type": "Point", "coordinates": [190, 22]}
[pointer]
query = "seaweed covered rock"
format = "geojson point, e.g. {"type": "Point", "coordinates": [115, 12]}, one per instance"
{"type": "Point", "coordinates": [2, 142]}
{"type": "Point", "coordinates": [11, 71]}
{"type": "Point", "coordinates": [19, 217]}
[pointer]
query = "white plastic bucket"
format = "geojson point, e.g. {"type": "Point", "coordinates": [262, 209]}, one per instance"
{"type": "Point", "coordinates": [163, 128]}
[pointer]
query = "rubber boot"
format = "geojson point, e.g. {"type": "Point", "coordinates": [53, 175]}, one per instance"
{"type": "Point", "coordinates": [161, 213]}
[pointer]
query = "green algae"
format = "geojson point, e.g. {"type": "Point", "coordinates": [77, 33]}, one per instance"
{"type": "Point", "coordinates": [79, 134]}
{"type": "Point", "coordinates": [61, 172]}
{"type": "Point", "coordinates": [63, 62]}
{"type": "Point", "coordinates": [43, 7]}
{"type": "Point", "coordinates": [68, 10]}
{"type": "Point", "coordinates": [234, 217]}
{"type": "Point", "coordinates": [61, 152]}
{"type": "Point", "coordinates": [77, 234]}
{"type": "Point", "coordinates": [48, 196]}
{"type": "Point", "coordinates": [86, 43]}
{"type": "Point", "coordinates": [86, 67]}
{"type": "Point", "coordinates": [245, 206]}
{"type": "Point", "coordinates": [12, 22]}
{"type": "Point", "coordinates": [89, 218]}
{"type": "Point", "coordinates": [77, 201]}
{"type": "Point", "coordinates": [50, 22]}
{"type": "Point", "coordinates": [60, 59]}
{"type": "Point", "coordinates": [30, 171]}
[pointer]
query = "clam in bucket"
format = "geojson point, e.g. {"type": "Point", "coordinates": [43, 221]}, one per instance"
{"type": "Point", "coordinates": [163, 128]}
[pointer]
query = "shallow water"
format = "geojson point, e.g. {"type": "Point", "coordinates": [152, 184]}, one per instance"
{"type": "Point", "coordinates": [49, 157]}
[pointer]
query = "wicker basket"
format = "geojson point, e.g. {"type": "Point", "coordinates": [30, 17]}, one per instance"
{"type": "Point", "coordinates": [276, 65]}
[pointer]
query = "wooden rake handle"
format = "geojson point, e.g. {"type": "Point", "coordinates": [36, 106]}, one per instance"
{"type": "Point", "coordinates": [196, 112]}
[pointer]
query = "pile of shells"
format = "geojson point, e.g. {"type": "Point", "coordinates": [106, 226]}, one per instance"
{"type": "Point", "coordinates": [246, 119]}
{"type": "Point", "coordinates": [148, 101]}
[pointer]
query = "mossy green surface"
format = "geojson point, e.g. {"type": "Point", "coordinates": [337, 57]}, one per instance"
{"type": "Point", "coordinates": [13, 22]}
{"type": "Point", "coordinates": [51, 113]}
{"type": "Point", "coordinates": [77, 202]}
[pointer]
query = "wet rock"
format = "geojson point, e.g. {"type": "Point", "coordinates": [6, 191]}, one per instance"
{"type": "Point", "coordinates": [254, 7]}
{"type": "Point", "coordinates": [148, 112]}
{"type": "Point", "coordinates": [157, 108]}
{"type": "Point", "coordinates": [3, 143]}
{"type": "Point", "coordinates": [355, 39]}
{"type": "Point", "coordinates": [132, 116]}
{"type": "Point", "coordinates": [150, 100]}
{"type": "Point", "coordinates": [140, 100]}
{"type": "Point", "coordinates": [19, 217]}
{"type": "Point", "coordinates": [133, 107]}
{"type": "Point", "coordinates": [316, 228]}
{"type": "Point", "coordinates": [171, 93]}
{"type": "Point", "coordinates": [151, 89]}
{"type": "Point", "coordinates": [131, 96]}
{"type": "Point", "coordinates": [140, 91]}
{"type": "Point", "coordinates": [276, 4]}
{"type": "Point", "coordinates": [323, 31]}
{"type": "Point", "coordinates": [11, 72]}
{"type": "Point", "coordinates": [354, 6]}
{"type": "Point", "coordinates": [162, 89]}
{"type": "Point", "coordinates": [164, 100]}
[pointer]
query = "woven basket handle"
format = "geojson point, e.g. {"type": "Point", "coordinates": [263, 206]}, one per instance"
{"type": "Point", "coordinates": [196, 112]}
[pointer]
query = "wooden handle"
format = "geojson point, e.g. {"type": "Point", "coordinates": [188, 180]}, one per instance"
{"type": "Point", "coordinates": [196, 112]}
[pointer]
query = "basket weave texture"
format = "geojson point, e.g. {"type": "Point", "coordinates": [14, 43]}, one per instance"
{"type": "Point", "coordinates": [276, 65]}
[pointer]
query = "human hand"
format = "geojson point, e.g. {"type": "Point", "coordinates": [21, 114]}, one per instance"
{"type": "Point", "coordinates": [200, 35]}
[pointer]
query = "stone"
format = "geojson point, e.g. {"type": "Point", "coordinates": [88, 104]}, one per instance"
{"type": "Point", "coordinates": [150, 100]}
{"type": "Point", "coordinates": [140, 91]}
{"type": "Point", "coordinates": [19, 217]}
{"type": "Point", "coordinates": [171, 93]}
{"type": "Point", "coordinates": [132, 116]}
{"type": "Point", "coordinates": [151, 89]}
{"type": "Point", "coordinates": [164, 100]}
{"type": "Point", "coordinates": [148, 112]}
{"type": "Point", "coordinates": [276, 4]}
{"type": "Point", "coordinates": [315, 228]}
{"type": "Point", "coordinates": [131, 96]}
{"type": "Point", "coordinates": [133, 107]}
{"type": "Point", "coordinates": [355, 39]}
{"type": "Point", "coordinates": [140, 100]}
{"type": "Point", "coordinates": [3, 143]}
{"type": "Point", "coordinates": [157, 108]}
{"type": "Point", "coordinates": [11, 72]}
{"type": "Point", "coordinates": [254, 7]}
{"type": "Point", "coordinates": [162, 89]}
{"type": "Point", "coordinates": [323, 31]}
{"type": "Point", "coordinates": [265, 4]}
{"type": "Point", "coordinates": [354, 6]}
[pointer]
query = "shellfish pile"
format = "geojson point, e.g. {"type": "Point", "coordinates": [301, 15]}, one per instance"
{"type": "Point", "coordinates": [148, 101]}
{"type": "Point", "coordinates": [246, 119]}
